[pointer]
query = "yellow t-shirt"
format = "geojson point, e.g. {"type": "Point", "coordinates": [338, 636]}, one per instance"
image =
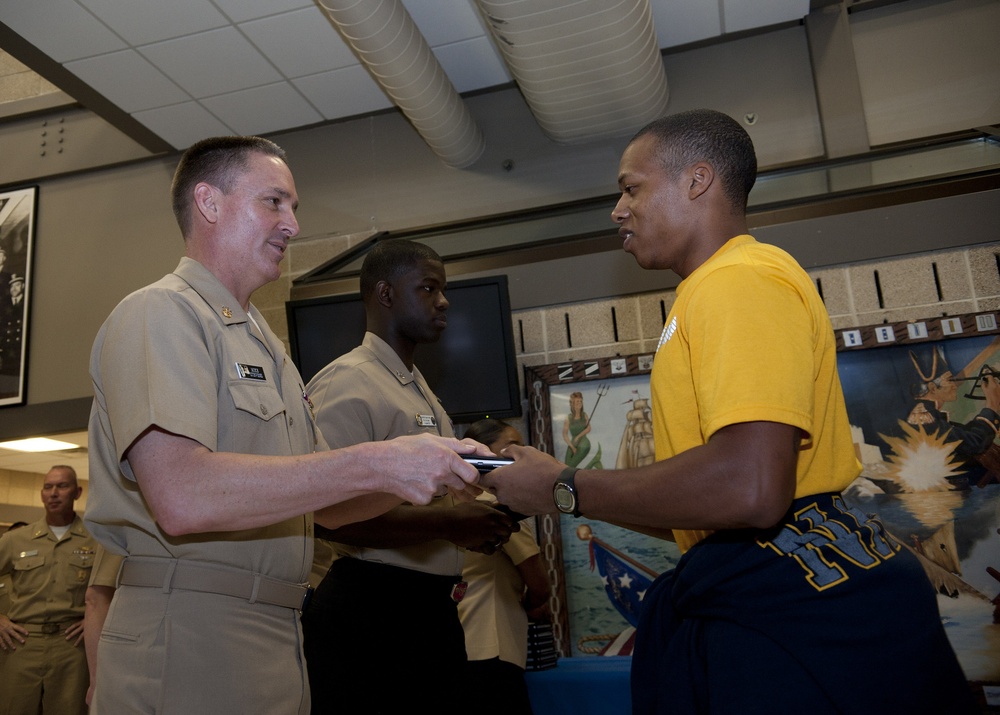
{"type": "Point", "coordinates": [749, 339]}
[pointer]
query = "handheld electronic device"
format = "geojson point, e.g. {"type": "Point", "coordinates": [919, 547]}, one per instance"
{"type": "Point", "coordinates": [486, 464]}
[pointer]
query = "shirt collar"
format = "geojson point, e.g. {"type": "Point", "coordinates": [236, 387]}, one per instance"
{"type": "Point", "coordinates": [210, 288]}
{"type": "Point", "coordinates": [388, 357]}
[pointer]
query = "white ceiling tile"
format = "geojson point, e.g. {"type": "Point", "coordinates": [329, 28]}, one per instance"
{"type": "Point", "coordinates": [243, 10]}
{"type": "Point", "coordinates": [343, 93]}
{"type": "Point", "coordinates": [212, 63]}
{"type": "Point", "coordinates": [461, 21]}
{"type": "Point", "coordinates": [181, 125]}
{"type": "Point", "coordinates": [62, 29]}
{"type": "Point", "coordinates": [742, 15]}
{"type": "Point", "coordinates": [679, 22]}
{"type": "Point", "coordinates": [140, 22]}
{"type": "Point", "coordinates": [263, 109]}
{"type": "Point", "coordinates": [128, 80]}
{"type": "Point", "coordinates": [300, 43]}
{"type": "Point", "coordinates": [473, 64]}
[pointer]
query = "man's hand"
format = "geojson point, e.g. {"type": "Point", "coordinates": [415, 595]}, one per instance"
{"type": "Point", "coordinates": [418, 468]}
{"type": "Point", "coordinates": [11, 634]}
{"type": "Point", "coordinates": [479, 527]}
{"type": "Point", "coordinates": [526, 485]}
{"type": "Point", "coordinates": [75, 631]}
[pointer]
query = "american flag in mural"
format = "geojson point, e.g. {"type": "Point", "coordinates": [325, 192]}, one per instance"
{"type": "Point", "coordinates": [625, 580]}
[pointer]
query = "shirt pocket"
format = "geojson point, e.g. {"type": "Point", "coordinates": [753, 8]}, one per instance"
{"type": "Point", "coordinates": [256, 423]}
{"type": "Point", "coordinates": [261, 401]}
{"type": "Point", "coordinates": [79, 567]}
{"type": "Point", "coordinates": [29, 573]}
{"type": "Point", "coordinates": [29, 563]}
{"type": "Point", "coordinates": [414, 429]}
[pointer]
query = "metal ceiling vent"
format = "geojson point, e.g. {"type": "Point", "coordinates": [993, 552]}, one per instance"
{"type": "Point", "coordinates": [587, 68]}
{"type": "Point", "coordinates": [387, 41]}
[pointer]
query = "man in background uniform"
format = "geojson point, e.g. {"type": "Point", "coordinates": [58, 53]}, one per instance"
{"type": "Point", "coordinates": [390, 600]}
{"type": "Point", "coordinates": [43, 667]}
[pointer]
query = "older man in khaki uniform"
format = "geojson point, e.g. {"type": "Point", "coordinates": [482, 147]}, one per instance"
{"type": "Point", "coordinates": [206, 467]}
{"type": "Point", "coordinates": [43, 667]}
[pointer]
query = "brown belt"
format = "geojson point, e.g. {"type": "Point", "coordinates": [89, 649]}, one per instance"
{"type": "Point", "coordinates": [47, 629]}
{"type": "Point", "coordinates": [170, 574]}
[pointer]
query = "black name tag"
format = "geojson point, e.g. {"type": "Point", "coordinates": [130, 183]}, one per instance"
{"type": "Point", "coordinates": [250, 372]}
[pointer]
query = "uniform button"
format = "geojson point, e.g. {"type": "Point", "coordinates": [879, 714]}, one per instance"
{"type": "Point", "coordinates": [263, 410]}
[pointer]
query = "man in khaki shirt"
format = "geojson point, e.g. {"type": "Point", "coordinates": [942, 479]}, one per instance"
{"type": "Point", "coordinates": [205, 465]}
{"type": "Point", "coordinates": [393, 591]}
{"type": "Point", "coordinates": [43, 667]}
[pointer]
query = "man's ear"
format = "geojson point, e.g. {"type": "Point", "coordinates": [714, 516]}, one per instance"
{"type": "Point", "coordinates": [383, 293]}
{"type": "Point", "coordinates": [702, 176]}
{"type": "Point", "coordinates": [204, 201]}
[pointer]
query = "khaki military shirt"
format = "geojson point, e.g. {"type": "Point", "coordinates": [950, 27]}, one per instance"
{"type": "Point", "coordinates": [182, 354]}
{"type": "Point", "coordinates": [369, 395]}
{"type": "Point", "coordinates": [49, 578]}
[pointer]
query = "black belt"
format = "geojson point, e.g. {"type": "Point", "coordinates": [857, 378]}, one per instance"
{"type": "Point", "coordinates": [170, 574]}
{"type": "Point", "coordinates": [47, 629]}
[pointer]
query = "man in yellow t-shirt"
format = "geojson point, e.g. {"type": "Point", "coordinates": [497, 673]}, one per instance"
{"type": "Point", "coordinates": [781, 586]}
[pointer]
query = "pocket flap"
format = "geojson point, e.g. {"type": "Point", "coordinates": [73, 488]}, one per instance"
{"type": "Point", "coordinates": [262, 401]}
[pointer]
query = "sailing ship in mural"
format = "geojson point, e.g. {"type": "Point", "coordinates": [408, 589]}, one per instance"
{"type": "Point", "coordinates": [636, 448]}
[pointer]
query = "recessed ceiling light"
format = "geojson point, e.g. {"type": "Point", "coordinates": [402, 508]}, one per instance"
{"type": "Point", "coordinates": [38, 444]}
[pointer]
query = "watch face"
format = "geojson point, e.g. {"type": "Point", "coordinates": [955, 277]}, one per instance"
{"type": "Point", "coordinates": [564, 498]}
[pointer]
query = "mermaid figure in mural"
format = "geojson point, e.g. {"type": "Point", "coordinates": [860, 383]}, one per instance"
{"type": "Point", "coordinates": [575, 431]}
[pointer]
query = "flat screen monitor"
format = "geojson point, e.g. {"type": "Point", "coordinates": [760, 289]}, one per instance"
{"type": "Point", "coordinates": [472, 368]}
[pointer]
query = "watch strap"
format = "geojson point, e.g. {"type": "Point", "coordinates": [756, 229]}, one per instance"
{"type": "Point", "coordinates": [568, 477]}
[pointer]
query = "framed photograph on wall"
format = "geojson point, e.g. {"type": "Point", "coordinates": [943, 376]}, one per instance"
{"type": "Point", "coordinates": [17, 235]}
{"type": "Point", "coordinates": [922, 398]}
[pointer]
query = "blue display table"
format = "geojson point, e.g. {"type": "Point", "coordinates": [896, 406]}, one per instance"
{"type": "Point", "coordinates": [585, 685]}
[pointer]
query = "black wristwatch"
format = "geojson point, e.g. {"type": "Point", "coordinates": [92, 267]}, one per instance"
{"type": "Point", "coordinates": [564, 492]}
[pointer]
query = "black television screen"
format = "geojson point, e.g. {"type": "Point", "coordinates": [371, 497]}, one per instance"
{"type": "Point", "coordinates": [472, 368]}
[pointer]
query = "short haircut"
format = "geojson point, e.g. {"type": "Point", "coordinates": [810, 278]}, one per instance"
{"type": "Point", "coordinates": [66, 468]}
{"type": "Point", "coordinates": [707, 135]}
{"type": "Point", "coordinates": [487, 431]}
{"type": "Point", "coordinates": [218, 161]}
{"type": "Point", "coordinates": [391, 258]}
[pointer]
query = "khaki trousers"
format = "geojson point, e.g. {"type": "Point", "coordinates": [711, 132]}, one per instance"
{"type": "Point", "coordinates": [48, 675]}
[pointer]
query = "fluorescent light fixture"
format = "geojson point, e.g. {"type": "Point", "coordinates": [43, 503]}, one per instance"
{"type": "Point", "coordinates": [38, 444]}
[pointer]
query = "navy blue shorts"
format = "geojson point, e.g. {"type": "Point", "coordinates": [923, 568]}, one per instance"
{"type": "Point", "coordinates": [822, 614]}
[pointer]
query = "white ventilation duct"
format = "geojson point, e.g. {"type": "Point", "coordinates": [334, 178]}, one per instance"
{"type": "Point", "coordinates": [587, 68]}
{"type": "Point", "coordinates": [387, 41]}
